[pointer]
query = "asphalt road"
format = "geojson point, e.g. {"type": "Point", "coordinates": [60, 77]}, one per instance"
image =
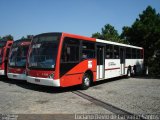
{"type": "Point", "coordinates": [134, 95]}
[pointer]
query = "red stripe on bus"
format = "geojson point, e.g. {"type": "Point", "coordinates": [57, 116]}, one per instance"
{"type": "Point", "coordinates": [112, 68]}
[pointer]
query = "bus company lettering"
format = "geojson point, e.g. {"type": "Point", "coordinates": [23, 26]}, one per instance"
{"type": "Point", "coordinates": [111, 64]}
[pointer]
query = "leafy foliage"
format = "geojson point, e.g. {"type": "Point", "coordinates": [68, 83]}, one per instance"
{"type": "Point", "coordinates": [108, 32]}
{"type": "Point", "coordinates": [8, 37]}
{"type": "Point", "coordinates": [145, 32]}
{"type": "Point", "coordinates": [28, 37]}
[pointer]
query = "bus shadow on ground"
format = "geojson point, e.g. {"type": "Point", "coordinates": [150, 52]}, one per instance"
{"type": "Point", "coordinates": [48, 89]}
{"type": "Point", "coordinates": [146, 77]}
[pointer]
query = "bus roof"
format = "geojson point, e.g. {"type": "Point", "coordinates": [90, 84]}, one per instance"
{"type": "Point", "coordinates": [103, 41]}
{"type": "Point", "coordinates": [18, 42]}
{"type": "Point", "coordinates": [22, 40]}
{"type": "Point", "coordinates": [49, 33]}
{"type": "Point", "coordinates": [88, 38]}
{"type": "Point", "coordinates": [119, 44]}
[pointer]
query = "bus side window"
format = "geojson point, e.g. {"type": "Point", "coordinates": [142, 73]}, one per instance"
{"type": "Point", "coordinates": [69, 55]}
{"type": "Point", "coordinates": [134, 56]}
{"type": "Point", "coordinates": [88, 50]}
{"type": "Point", "coordinates": [109, 51]}
{"type": "Point", "coordinates": [138, 53]}
{"type": "Point", "coordinates": [128, 53]}
{"type": "Point", "coordinates": [70, 50]}
{"type": "Point", "coordinates": [116, 52]}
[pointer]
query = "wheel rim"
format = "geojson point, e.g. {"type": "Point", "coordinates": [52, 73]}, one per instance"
{"type": "Point", "coordinates": [86, 81]}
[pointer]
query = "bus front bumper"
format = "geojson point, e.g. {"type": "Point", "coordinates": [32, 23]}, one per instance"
{"type": "Point", "coordinates": [2, 72]}
{"type": "Point", "coordinates": [16, 76]}
{"type": "Point", "coordinates": [43, 81]}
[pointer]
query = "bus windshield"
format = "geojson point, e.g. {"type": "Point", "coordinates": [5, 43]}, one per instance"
{"type": "Point", "coordinates": [43, 52]}
{"type": "Point", "coordinates": [18, 56]}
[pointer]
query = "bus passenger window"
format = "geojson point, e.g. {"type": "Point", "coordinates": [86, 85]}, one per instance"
{"type": "Point", "coordinates": [69, 54]}
{"type": "Point", "coordinates": [134, 56]}
{"type": "Point", "coordinates": [109, 51]}
{"type": "Point", "coordinates": [128, 53]}
{"type": "Point", "coordinates": [70, 50]}
{"type": "Point", "coordinates": [88, 50]}
{"type": "Point", "coordinates": [116, 52]}
{"type": "Point", "coordinates": [138, 53]}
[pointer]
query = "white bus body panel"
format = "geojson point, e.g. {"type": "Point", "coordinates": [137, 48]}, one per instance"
{"type": "Point", "coordinates": [113, 68]}
{"type": "Point", "coordinates": [100, 71]}
{"type": "Point", "coordinates": [2, 72]}
{"type": "Point", "coordinates": [44, 81]}
{"type": "Point", "coordinates": [16, 76]}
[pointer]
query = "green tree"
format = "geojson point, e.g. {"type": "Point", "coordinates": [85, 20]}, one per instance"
{"type": "Point", "coordinates": [97, 35]}
{"type": "Point", "coordinates": [23, 37]}
{"type": "Point", "coordinates": [145, 32]}
{"type": "Point", "coordinates": [28, 37]}
{"type": "Point", "coordinates": [108, 32]}
{"type": "Point", "coordinates": [8, 37]}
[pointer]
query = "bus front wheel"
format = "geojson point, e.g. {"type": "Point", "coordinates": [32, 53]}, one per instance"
{"type": "Point", "coordinates": [86, 81]}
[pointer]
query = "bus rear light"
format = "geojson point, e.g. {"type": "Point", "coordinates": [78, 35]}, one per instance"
{"type": "Point", "coordinates": [51, 76]}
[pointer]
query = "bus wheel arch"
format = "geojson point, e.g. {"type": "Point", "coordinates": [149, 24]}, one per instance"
{"type": "Point", "coordinates": [87, 79]}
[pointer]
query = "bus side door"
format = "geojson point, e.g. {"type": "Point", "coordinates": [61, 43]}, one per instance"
{"type": "Point", "coordinates": [100, 62]}
{"type": "Point", "coordinates": [122, 60]}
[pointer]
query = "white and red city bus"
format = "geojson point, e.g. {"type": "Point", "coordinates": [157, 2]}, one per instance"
{"type": "Point", "coordinates": [4, 52]}
{"type": "Point", "coordinates": [62, 59]}
{"type": "Point", "coordinates": [17, 59]}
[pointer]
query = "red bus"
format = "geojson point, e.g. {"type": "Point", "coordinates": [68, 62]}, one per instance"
{"type": "Point", "coordinates": [4, 52]}
{"type": "Point", "coordinates": [17, 59]}
{"type": "Point", "coordinates": [62, 60]}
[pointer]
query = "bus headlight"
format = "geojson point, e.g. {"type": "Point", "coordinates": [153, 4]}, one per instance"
{"type": "Point", "coordinates": [51, 76]}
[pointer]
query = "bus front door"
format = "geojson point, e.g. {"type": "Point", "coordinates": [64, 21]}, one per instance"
{"type": "Point", "coordinates": [122, 61]}
{"type": "Point", "coordinates": [100, 62]}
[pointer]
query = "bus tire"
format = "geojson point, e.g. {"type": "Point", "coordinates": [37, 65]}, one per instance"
{"type": "Point", "coordinates": [86, 81]}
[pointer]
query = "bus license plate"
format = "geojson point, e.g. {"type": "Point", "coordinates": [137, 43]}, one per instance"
{"type": "Point", "coordinates": [14, 75]}
{"type": "Point", "coordinates": [37, 80]}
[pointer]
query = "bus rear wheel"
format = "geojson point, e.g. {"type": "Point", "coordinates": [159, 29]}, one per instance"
{"type": "Point", "coordinates": [86, 81]}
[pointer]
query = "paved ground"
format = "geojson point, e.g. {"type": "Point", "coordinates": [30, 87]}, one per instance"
{"type": "Point", "coordinates": [135, 95]}
{"type": "Point", "coordinates": [23, 98]}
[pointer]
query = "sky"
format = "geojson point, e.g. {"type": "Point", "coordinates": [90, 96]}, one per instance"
{"type": "Point", "coordinates": [83, 17]}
